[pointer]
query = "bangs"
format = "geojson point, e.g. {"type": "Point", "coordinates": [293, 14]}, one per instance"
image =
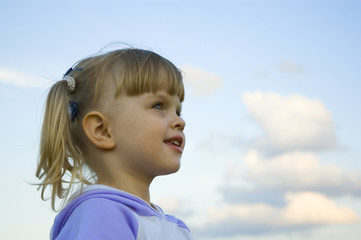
{"type": "Point", "coordinates": [127, 71]}
{"type": "Point", "coordinates": [143, 71]}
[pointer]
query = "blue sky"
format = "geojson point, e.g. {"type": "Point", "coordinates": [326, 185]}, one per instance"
{"type": "Point", "coordinates": [272, 109]}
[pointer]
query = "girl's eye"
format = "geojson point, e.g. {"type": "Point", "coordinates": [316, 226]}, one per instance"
{"type": "Point", "coordinates": [158, 106]}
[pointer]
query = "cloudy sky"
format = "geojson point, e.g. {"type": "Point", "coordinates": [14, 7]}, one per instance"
{"type": "Point", "coordinates": [272, 109]}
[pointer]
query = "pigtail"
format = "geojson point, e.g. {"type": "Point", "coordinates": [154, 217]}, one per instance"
{"type": "Point", "coordinates": [58, 153]}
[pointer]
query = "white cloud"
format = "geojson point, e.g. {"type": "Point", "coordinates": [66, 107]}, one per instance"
{"type": "Point", "coordinates": [299, 171]}
{"type": "Point", "coordinates": [170, 204]}
{"type": "Point", "coordinates": [291, 67]}
{"type": "Point", "coordinates": [21, 79]}
{"type": "Point", "coordinates": [174, 206]}
{"type": "Point", "coordinates": [287, 191]}
{"type": "Point", "coordinates": [301, 209]}
{"type": "Point", "coordinates": [292, 122]}
{"type": "Point", "coordinates": [201, 81]}
{"type": "Point", "coordinates": [219, 142]}
{"type": "Point", "coordinates": [313, 208]}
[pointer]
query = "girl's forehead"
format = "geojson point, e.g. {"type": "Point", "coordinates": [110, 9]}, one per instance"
{"type": "Point", "coordinates": [149, 98]}
{"type": "Point", "coordinates": [164, 95]}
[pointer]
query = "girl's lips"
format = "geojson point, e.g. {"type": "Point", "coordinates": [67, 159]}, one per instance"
{"type": "Point", "coordinates": [175, 142]}
{"type": "Point", "coordinates": [175, 147]}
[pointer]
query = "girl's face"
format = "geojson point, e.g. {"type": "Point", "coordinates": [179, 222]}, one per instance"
{"type": "Point", "coordinates": [148, 133]}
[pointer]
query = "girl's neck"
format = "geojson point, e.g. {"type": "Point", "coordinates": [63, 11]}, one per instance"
{"type": "Point", "coordinates": [134, 186]}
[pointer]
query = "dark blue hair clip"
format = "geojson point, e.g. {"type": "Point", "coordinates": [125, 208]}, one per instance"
{"type": "Point", "coordinates": [71, 69]}
{"type": "Point", "coordinates": [73, 110]}
{"type": "Point", "coordinates": [67, 72]}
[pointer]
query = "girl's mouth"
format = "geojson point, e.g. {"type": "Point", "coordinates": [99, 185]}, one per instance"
{"type": "Point", "coordinates": [175, 142]}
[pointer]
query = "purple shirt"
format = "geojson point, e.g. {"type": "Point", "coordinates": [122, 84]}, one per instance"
{"type": "Point", "coordinates": [102, 212]}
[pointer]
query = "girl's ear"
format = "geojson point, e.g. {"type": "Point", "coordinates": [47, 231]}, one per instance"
{"type": "Point", "coordinates": [95, 126]}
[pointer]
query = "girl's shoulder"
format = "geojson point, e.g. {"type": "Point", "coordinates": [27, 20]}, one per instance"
{"type": "Point", "coordinates": [95, 213]}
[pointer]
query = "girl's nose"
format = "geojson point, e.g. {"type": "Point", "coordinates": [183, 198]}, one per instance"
{"type": "Point", "coordinates": [178, 123]}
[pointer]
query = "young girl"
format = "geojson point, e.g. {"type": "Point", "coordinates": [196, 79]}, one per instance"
{"type": "Point", "coordinates": [113, 124]}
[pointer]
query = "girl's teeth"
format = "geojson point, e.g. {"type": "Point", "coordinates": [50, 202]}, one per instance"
{"type": "Point", "coordinates": [175, 143]}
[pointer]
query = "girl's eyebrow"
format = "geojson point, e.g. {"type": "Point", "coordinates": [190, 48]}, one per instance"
{"type": "Point", "coordinates": [163, 96]}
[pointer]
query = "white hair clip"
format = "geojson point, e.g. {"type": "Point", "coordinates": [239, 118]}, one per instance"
{"type": "Point", "coordinates": [71, 83]}
{"type": "Point", "coordinates": [70, 80]}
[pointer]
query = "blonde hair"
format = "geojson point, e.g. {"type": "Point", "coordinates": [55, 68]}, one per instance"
{"type": "Point", "coordinates": [99, 79]}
